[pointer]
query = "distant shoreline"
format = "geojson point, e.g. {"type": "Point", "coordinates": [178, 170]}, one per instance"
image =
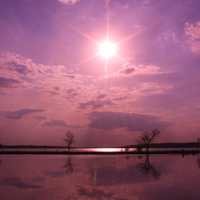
{"type": "Point", "coordinates": [136, 149]}
{"type": "Point", "coordinates": [152, 145]}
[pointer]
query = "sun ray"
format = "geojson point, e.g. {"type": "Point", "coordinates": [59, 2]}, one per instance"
{"type": "Point", "coordinates": [85, 35]}
{"type": "Point", "coordinates": [106, 68]}
{"type": "Point", "coordinates": [88, 37]}
{"type": "Point", "coordinates": [107, 48]}
{"type": "Point", "coordinates": [129, 37]}
{"type": "Point", "coordinates": [107, 22]}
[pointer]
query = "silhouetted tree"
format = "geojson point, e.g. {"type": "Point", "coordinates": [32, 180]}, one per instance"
{"type": "Point", "coordinates": [147, 138]}
{"type": "Point", "coordinates": [69, 139]}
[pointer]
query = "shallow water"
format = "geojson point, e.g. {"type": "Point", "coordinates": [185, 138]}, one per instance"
{"type": "Point", "coordinates": [99, 177]}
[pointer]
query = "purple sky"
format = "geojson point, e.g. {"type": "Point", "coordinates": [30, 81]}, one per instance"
{"type": "Point", "coordinates": [48, 86]}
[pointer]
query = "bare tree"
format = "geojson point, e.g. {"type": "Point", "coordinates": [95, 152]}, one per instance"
{"type": "Point", "coordinates": [69, 139]}
{"type": "Point", "coordinates": [147, 138]}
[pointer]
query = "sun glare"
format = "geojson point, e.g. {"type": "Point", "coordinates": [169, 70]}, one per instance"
{"type": "Point", "coordinates": [107, 49]}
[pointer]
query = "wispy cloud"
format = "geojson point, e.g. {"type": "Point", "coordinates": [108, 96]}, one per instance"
{"type": "Point", "coordinates": [192, 32]}
{"type": "Point", "coordinates": [59, 123]}
{"type": "Point", "coordinates": [69, 1]}
{"type": "Point", "coordinates": [18, 114]}
{"type": "Point", "coordinates": [136, 70]}
{"type": "Point", "coordinates": [55, 123]}
{"type": "Point", "coordinates": [7, 82]}
{"type": "Point", "coordinates": [19, 68]}
{"type": "Point", "coordinates": [130, 121]}
{"type": "Point", "coordinates": [94, 104]}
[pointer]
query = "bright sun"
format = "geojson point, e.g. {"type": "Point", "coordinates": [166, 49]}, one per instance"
{"type": "Point", "coordinates": [107, 49]}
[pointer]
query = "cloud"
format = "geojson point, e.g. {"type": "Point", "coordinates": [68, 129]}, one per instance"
{"type": "Point", "coordinates": [76, 1]}
{"type": "Point", "coordinates": [55, 123]}
{"type": "Point", "coordinates": [141, 70]}
{"type": "Point", "coordinates": [128, 70]}
{"type": "Point", "coordinates": [94, 104]}
{"type": "Point", "coordinates": [19, 68]}
{"type": "Point", "coordinates": [192, 31]}
{"type": "Point", "coordinates": [40, 118]}
{"type": "Point", "coordinates": [18, 114]}
{"type": "Point", "coordinates": [69, 1]}
{"type": "Point", "coordinates": [71, 93]}
{"type": "Point", "coordinates": [18, 183]}
{"type": "Point", "coordinates": [101, 96]}
{"type": "Point", "coordinates": [60, 123]}
{"type": "Point", "coordinates": [15, 65]}
{"type": "Point", "coordinates": [130, 121]}
{"type": "Point", "coordinates": [7, 82]}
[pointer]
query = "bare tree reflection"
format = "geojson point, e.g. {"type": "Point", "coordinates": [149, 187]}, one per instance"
{"type": "Point", "coordinates": [147, 168]}
{"type": "Point", "coordinates": [68, 166]}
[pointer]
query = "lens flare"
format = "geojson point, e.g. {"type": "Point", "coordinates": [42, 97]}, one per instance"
{"type": "Point", "coordinates": [107, 49]}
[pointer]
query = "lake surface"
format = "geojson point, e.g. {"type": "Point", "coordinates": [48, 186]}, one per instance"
{"type": "Point", "coordinates": [99, 177]}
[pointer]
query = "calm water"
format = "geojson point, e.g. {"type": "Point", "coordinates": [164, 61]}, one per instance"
{"type": "Point", "coordinates": [99, 178]}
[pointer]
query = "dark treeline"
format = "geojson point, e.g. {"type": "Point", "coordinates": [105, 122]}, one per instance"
{"type": "Point", "coordinates": [167, 145]}
{"type": "Point", "coordinates": [153, 145]}
{"type": "Point", "coordinates": [31, 146]}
